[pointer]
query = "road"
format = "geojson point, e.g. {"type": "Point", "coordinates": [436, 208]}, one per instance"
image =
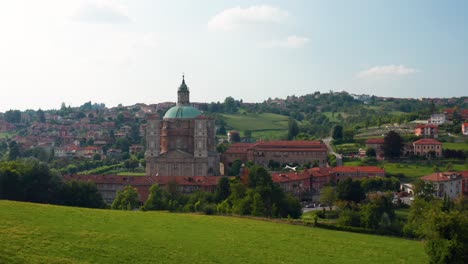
{"type": "Point", "coordinates": [339, 159]}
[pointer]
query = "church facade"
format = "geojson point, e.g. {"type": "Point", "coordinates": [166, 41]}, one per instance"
{"type": "Point", "coordinates": [183, 142]}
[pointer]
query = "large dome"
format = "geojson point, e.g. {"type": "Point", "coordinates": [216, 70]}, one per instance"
{"type": "Point", "coordinates": [182, 112]}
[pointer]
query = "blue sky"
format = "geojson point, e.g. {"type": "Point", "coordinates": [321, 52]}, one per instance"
{"type": "Point", "coordinates": [55, 51]}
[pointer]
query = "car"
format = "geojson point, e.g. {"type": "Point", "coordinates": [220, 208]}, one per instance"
{"type": "Point", "coordinates": [310, 206]}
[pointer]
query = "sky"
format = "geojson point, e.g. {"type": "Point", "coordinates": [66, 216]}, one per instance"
{"type": "Point", "coordinates": [112, 52]}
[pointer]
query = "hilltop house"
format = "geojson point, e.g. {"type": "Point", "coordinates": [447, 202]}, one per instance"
{"type": "Point", "coordinates": [376, 144]}
{"type": "Point", "coordinates": [429, 130]}
{"type": "Point", "coordinates": [426, 146]}
{"type": "Point", "coordinates": [447, 184]}
{"type": "Point", "coordinates": [465, 129]}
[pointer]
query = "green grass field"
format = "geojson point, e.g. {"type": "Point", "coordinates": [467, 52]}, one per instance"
{"type": "Point", "coordinates": [265, 125]}
{"type": "Point", "coordinates": [455, 146]}
{"type": "Point", "coordinates": [6, 135]}
{"type": "Point", "coordinates": [411, 171]}
{"type": "Point", "coordinates": [34, 233]}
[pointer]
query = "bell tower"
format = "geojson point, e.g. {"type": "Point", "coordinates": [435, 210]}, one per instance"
{"type": "Point", "coordinates": [183, 94]}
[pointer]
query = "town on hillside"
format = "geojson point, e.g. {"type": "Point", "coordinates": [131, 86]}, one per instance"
{"type": "Point", "coordinates": [309, 164]}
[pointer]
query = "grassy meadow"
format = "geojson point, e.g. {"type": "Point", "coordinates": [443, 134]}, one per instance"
{"type": "Point", "coordinates": [414, 170]}
{"type": "Point", "coordinates": [265, 125]}
{"type": "Point", "coordinates": [36, 233]}
{"type": "Point", "coordinates": [455, 146]}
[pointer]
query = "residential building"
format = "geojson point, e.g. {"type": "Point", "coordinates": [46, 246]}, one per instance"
{"type": "Point", "coordinates": [426, 146]}
{"type": "Point", "coordinates": [446, 184]}
{"type": "Point", "coordinates": [428, 130]}
{"type": "Point", "coordinates": [377, 145]}
{"type": "Point", "coordinates": [465, 129]}
{"type": "Point", "coordinates": [356, 172]}
{"type": "Point", "coordinates": [438, 119]}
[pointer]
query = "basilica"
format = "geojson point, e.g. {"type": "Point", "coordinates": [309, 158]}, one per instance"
{"type": "Point", "coordinates": [182, 143]}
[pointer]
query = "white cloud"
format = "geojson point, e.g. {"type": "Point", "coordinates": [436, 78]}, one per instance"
{"type": "Point", "coordinates": [233, 18]}
{"type": "Point", "coordinates": [103, 11]}
{"type": "Point", "coordinates": [386, 70]}
{"type": "Point", "coordinates": [292, 41]}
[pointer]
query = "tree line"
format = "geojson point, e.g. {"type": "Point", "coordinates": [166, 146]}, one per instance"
{"type": "Point", "coordinates": [255, 195]}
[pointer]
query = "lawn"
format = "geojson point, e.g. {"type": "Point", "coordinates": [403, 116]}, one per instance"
{"type": "Point", "coordinates": [265, 125]}
{"type": "Point", "coordinates": [33, 233]}
{"type": "Point", "coordinates": [6, 135]}
{"type": "Point", "coordinates": [455, 146]}
{"type": "Point", "coordinates": [414, 170]}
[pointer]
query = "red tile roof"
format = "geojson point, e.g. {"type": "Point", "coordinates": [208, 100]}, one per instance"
{"type": "Point", "coordinates": [427, 141]}
{"type": "Point", "coordinates": [366, 169]}
{"type": "Point", "coordinates": [289, 176]}
{"type": "Point", "coordinates": [427, 126]}
{"type": "Point", "coordinates": [375, 141]}
{"type": "Point", "coordinates": [146, 180]}
{"type": "Point", "coordinates": [442, 176]}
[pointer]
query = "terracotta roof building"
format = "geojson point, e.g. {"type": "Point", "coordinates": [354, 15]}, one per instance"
{"type": "Point", "coordinates": [426, 146]}
{"type": "Point", "coordinates": [445, 184]}
{"type": "Point", "coordinates": [428, 130]}
{"type": "Point", "coordinates": [283, 152]}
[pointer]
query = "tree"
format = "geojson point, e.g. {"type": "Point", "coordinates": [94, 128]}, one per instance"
{"type": "Point", "coordinates": [223, 189]}
{"type": "Point", "coordinates": [235, 168]}
{"type": "Point", "coordinates": [337, 132]}
{"type": "Point", "coordinates": [259, 176]}
{"type": "Point", "coordinates": [127, 199]}
{"type": "Point", "coordinates": [14, 150]}
{"type": "Point", "coordinates": [13, 116]}
{"type": "Point", "coordinates": [370, 152]}
{"type": "Point", "coordinates": [40, 116]}
{"type": "Point", "coordinates": [350, 190]}
{"type": "Point", "coordinates": [257, 205]}
{"type": "Point", "coordinates": [328, 196]}
{"type": "Point", "coordinates": [157, 199]}
{"type": "Point", "coordinates": [393, 145]}
{"type": "Point", "coordinates": [423, 190]}
{"type": "Point", "coordinates": [293, 128]}
{"type": "Point", "coordinates": [82, 194]}
{"type": "Point", "coordinates": [230, 105]}
{"type": "Point", "coordinates": [247, 133]}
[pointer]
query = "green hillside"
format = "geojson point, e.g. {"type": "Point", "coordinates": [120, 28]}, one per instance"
{"type": "Point", "coordinates": [34, 233]}
{"type": "Point", "coordinates": [265, 125]}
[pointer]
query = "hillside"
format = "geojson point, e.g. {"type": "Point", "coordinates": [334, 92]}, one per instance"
{"type": "Point", "coordinates": [264, 125]}
{"type": "Point", "coordinates": [36, 233]}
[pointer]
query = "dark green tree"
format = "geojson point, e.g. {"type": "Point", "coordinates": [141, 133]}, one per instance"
{"type": "Point", "coordinates": [223, 189]}
{"type": "Point", "coordinates": [350, 190]}
{"type": "Point", "coordinates": [40, 116]}
{"type": "Point", "coordinates": [393, 145]}
{"type": "Point", "coordinates": [337, 132]}
{"type": "Point", "coordinates": [127, 199]}
{"type": "Point", "coordinates": [293, 128]}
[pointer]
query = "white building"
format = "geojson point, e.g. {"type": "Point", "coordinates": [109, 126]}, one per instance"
{"type": "Point", "coordinates": [445, 184]}
{"type": "Point", "coordinates": [438, 119]}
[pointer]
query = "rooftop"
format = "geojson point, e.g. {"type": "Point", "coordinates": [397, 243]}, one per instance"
{"type": "Point", "coordinates": [427, 141]}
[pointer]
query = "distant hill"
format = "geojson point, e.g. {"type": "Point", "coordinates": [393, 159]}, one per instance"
{"type": "Point", "coordinates": [37, 233]}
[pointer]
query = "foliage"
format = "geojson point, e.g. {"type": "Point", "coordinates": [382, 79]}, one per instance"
{"type": "Point", "coordinates": [33, 181]}
{"type": "Point", "coordinates": [293, 129]}
{"type": "Point", "coordinates": [393, 145]}
{"type": "Point", "coordinates": [223, 189]}
{"type": "Point", "coordinates": [328, 196]}
{"type": "Point", "coordinates": [350, 190]}
{"type": "Point", "coordinates": [126, 199]}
